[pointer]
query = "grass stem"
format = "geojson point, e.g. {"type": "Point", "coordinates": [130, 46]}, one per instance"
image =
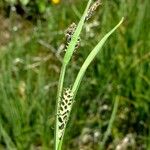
{"type": "Point", "coordinates": [111, 121]}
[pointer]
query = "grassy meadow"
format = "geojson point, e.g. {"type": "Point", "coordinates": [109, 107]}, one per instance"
{"type": "Point", "coordinates": [31, 52]}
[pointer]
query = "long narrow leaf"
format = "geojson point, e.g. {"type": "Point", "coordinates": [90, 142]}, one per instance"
{"type": "Point", "coordinates": [111, 121]}
{"type": "Point", "coordinates": [9, 143]}
{"type": "Point", "coordinates": [75, 36]}
{"type": "Point", "coordinates": [91, 57]}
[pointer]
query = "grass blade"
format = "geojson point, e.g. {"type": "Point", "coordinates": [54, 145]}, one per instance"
{"type": "Point", "coordinates": [91, 57]}
{"type": "Point", "coordinates": [7, 139]}
{"type": "Point", "coordinates": [111, 121]}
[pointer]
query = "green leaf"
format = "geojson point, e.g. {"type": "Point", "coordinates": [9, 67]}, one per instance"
{"type": "Point", "coordinates": [91, 57]}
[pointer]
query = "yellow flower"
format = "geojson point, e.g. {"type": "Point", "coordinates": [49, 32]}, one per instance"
{"type": "Point", "coordinates": [55, 1]}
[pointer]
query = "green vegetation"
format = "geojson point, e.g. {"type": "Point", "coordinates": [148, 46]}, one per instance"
{"type": "Point", "coordinates": [119, 77]}
{"type": "Point", "coordinates": [29, 6]}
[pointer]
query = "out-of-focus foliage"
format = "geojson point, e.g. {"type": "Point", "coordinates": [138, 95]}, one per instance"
{"type": "Point", "coordinates": [30, 60]}
{"type": "Point", "coordinates": [30, 7]}
{"type": "Point", "coordinates": [12, 2]}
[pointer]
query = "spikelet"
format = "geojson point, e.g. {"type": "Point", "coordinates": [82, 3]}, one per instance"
{"type": "Point", "coordinates": [64, 110]}
{"type": "Point", "coordinates": [69, 33]}
{"type": "Point", "coordinates": [92, 9]}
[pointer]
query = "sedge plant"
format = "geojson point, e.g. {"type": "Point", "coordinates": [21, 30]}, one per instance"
{"type": "Point", "coordinates": [66, 97]}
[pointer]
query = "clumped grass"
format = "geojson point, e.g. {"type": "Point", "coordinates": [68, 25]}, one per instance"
{"type": "Point", "coordinates": [28, 85]}
{"type": "Point", "coordinates": [63, 107]}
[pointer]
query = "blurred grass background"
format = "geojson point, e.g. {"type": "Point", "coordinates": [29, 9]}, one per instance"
{"type": "Point", "coordinates": [31, 50]}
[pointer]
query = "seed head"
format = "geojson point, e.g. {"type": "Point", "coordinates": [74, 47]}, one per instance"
{"type": "Point", "coordinates": [92, 9]}
{"type": "Point", "coordinates": [69, 33]}
{"type": "Point", "coordinates": [64, 110]}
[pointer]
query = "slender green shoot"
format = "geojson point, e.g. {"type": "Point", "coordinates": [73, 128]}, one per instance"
{"type": "Point", "coordinates": [91, 57]}
{"type": "Point", "coordinates": [66, 60]}
{"type": "Point", "coordinates": [7, 139]}
{"type": "Point", "coordinates": [111, 121]}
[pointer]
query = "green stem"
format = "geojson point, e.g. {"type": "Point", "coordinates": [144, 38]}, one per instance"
{"type": "Point", "coordinates": [111, 121]}
{"type": "Point", "coordinates": [60, 88]}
